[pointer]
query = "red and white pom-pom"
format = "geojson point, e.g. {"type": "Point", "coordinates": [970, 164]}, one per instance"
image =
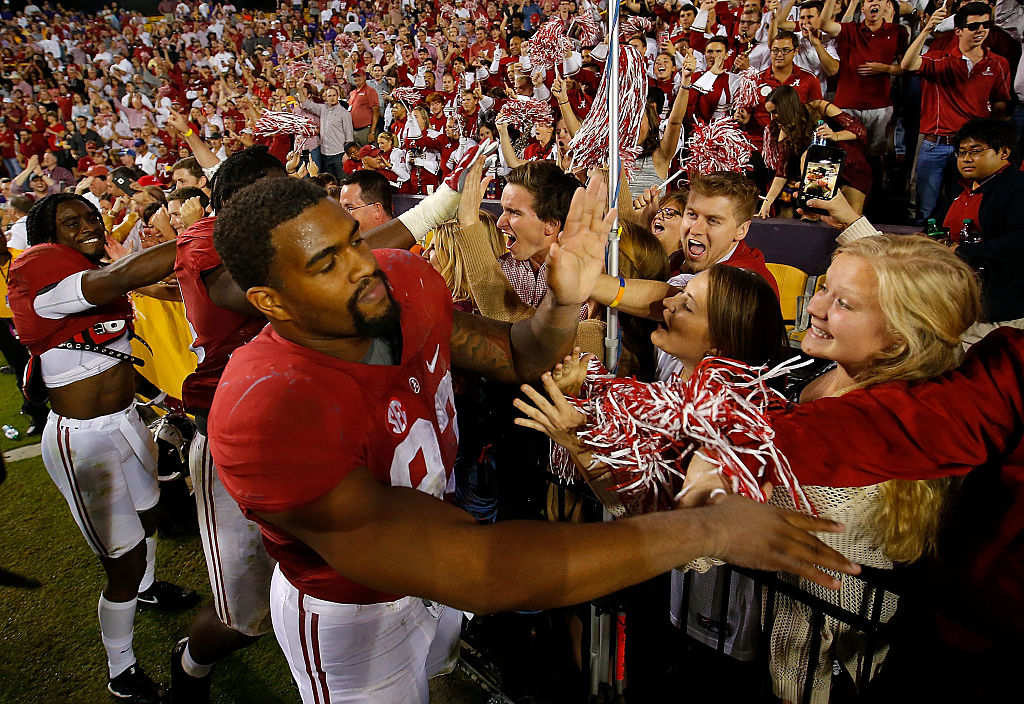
{"type": "Point", "coordinates": [524, 113]}
{"type": "Point", "coordinates": [771, 150]}
{"type": "Point", "coordinates": [408, 95]}
{"type": "Point", "coordinates": [373, 26]}
{"type": "Point", "coordinates": [634, 25]}
{"type": "Point", "coordinates": [745, 94]}
{"type": "Point", "coordinates": [719, 145]}
{"type": "Point", "coordinates": [344, 42]}
{"type": "Point", "coordinates": [325, 65]}
{"type": "Point", "coordinates": [446, 11]}
{"type": "Point", "coordinates": [287, 49]}
{"type": "Point", "coordinates": [297, 69]}
{"type": "Point", "coordinates": [548, 45]}
{"type": "Point", "coordinates": [646, 434]}
{"type": "Point", "coordinates": [280, 122]}
{"type": "Point", "coordinates": [589, 146]}
{"type": "Point", "coordinates": [586, 29]}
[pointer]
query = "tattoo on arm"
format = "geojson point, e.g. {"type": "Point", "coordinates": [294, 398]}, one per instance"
{"type": "Point", "coordinates": [483, 346]}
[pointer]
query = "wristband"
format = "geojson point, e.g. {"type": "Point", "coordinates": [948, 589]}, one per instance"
{"type": "Point", "coordinates": [189, 133]}
{"type": "Point", "coordinates": [618, 296]}
{"type": "Point", "coordinates": [565, 103]}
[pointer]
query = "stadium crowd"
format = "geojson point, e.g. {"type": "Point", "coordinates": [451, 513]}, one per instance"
{"type": "Point", "coordinates": [245, 167]}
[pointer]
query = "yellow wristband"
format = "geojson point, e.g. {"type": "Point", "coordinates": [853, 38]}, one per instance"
{"type": "Point", "coordinates": [618, 296]}
{"type": "Point", "coordinates": [189, 133]}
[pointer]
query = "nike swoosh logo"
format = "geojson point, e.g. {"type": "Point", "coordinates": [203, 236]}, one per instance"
{"type": "Point", "coordinates": [433, 363]}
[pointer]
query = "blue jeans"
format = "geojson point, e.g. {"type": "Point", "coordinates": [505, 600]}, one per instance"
{"type": "Point", "coordinates": [332, 164]}
{"type": "Point", "coordinates": [933, 163]}
{"type": "Point", "coordinates": [12, 167]}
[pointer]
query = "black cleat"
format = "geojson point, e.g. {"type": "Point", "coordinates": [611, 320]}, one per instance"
{"type": "Point", "coordinates": [134, 686]}
{"type": "Point", "coordinates": [165, 596]}
{"type": "Point", "coordinates": [186, 689]}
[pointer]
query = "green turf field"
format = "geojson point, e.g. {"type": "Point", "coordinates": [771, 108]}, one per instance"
{"type": "Point", "coordinates": [50, 650]}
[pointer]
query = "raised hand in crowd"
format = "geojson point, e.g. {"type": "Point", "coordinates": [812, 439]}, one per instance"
{"type": "Point", "coordinates": [839, 212]}
{"type": "Point", "coordinates": [571, 372]}
{"type": "Point", "coordinates": [473, 189]}
{"type": "Point", "coordinates": [553, 416]}
{"type": "Point", "coordinates": [191, 211]}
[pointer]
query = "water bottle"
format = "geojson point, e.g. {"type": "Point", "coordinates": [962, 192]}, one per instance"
{"type": "Point", "coordinates": [10, 432]}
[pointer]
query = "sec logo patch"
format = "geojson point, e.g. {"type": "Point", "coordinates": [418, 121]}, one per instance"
{"type": "Point", "coordinates": [397, 418]}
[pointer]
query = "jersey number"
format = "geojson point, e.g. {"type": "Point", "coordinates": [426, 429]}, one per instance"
{"type": "Point", "coordinates": [419, 455]}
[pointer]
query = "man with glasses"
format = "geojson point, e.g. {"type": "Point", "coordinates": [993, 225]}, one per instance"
{"type": "Point", "coordinates": [366, 195]}
{"type": "Point", "coordinates": [967, 83]}
{"type": "Point", "coordinates": [993, 198]}
{"type": "Point", "coordinates": [783, 72]}
{"type": "Point", "coordinates": [867, 54]}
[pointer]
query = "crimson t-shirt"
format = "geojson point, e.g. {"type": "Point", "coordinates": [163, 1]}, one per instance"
{"type": "Point", "coordinates": [858, 45]}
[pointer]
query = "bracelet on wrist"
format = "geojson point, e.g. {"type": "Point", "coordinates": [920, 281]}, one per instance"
{"type": "Point", "coordinates": [618, 296]}
{"type": "Point", "coordinates": [189, 133]}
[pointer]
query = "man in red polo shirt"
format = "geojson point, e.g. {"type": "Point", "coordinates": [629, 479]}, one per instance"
{"type": "Point", "coordinates": [364, 104]}
{"type": "Point", "coordinates": [957, 86]}
{"type": "Point", "coordinates": [867, 54]}
{"type": "Point", "coordinates": [783, 72]}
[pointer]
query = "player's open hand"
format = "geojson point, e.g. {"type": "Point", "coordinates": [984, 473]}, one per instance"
{"type": "Point", "coordinates": [577, 259]}
{"type": "Point", "coordinates": [763, 537]}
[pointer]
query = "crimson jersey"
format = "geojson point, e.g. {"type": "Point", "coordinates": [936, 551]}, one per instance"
{"type": "Point", "coordinates": [41, 267]}
{"type": "Point", "coordinates": [216, 331]}
{"type": "Point", "coordinates": [288, 423]}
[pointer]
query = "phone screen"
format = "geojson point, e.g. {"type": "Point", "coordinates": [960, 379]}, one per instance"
{"type": "Point", "coordinates": [821, 179]}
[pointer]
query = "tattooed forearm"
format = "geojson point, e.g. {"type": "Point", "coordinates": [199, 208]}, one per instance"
{"type": "Point", "coordinates": [514, 353]}
{"type": "Point", "coordinates": [482, 346]}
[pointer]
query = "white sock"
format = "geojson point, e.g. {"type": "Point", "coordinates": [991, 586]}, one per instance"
{"type": "Point", "coordinates": [190, 666]}
{"type": "Point", "coordinates": [149, 576]}
{"type": "Point", "coordinates": [117, 622]}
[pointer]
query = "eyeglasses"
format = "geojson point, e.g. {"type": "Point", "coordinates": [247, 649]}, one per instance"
{"type": "Point", "coordinates": [668, 213]}
{"type": "Point", "coordinates": [782, 51]}
{"type": "Point", "coordinates": [974, 152]}
{"type": "Point", "coordinates": [975, 26]}
{"type": "Point", "coordinates": [352, 208]}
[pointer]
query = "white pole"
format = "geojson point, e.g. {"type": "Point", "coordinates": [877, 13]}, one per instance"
{"type": "Point", "coordinates": [611, 340]}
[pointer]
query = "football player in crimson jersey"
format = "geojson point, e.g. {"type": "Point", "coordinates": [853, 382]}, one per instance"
{"type": "Point", "coordinates": [95, 447]}
{"type": "Point", "coordinates": [335, 431]}
{"type": "Point", "coordinates": [221, 320]}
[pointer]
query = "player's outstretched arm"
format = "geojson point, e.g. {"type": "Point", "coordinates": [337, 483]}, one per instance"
{"type": "Point", "coordinates": [403, 541]}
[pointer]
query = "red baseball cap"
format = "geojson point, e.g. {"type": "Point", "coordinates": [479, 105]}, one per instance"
{"type": "Point", "coordinates": [149, 181]}
{"type": "Point", "coordinates": [97, 171]}
{"type": "Point", "coordinates": [369, 150]}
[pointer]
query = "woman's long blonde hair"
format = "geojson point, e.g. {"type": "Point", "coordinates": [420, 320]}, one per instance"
{"type": "Point", "coordinates": [449, 256]}
{"type": "Point", "coordinates": [928, 297]}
